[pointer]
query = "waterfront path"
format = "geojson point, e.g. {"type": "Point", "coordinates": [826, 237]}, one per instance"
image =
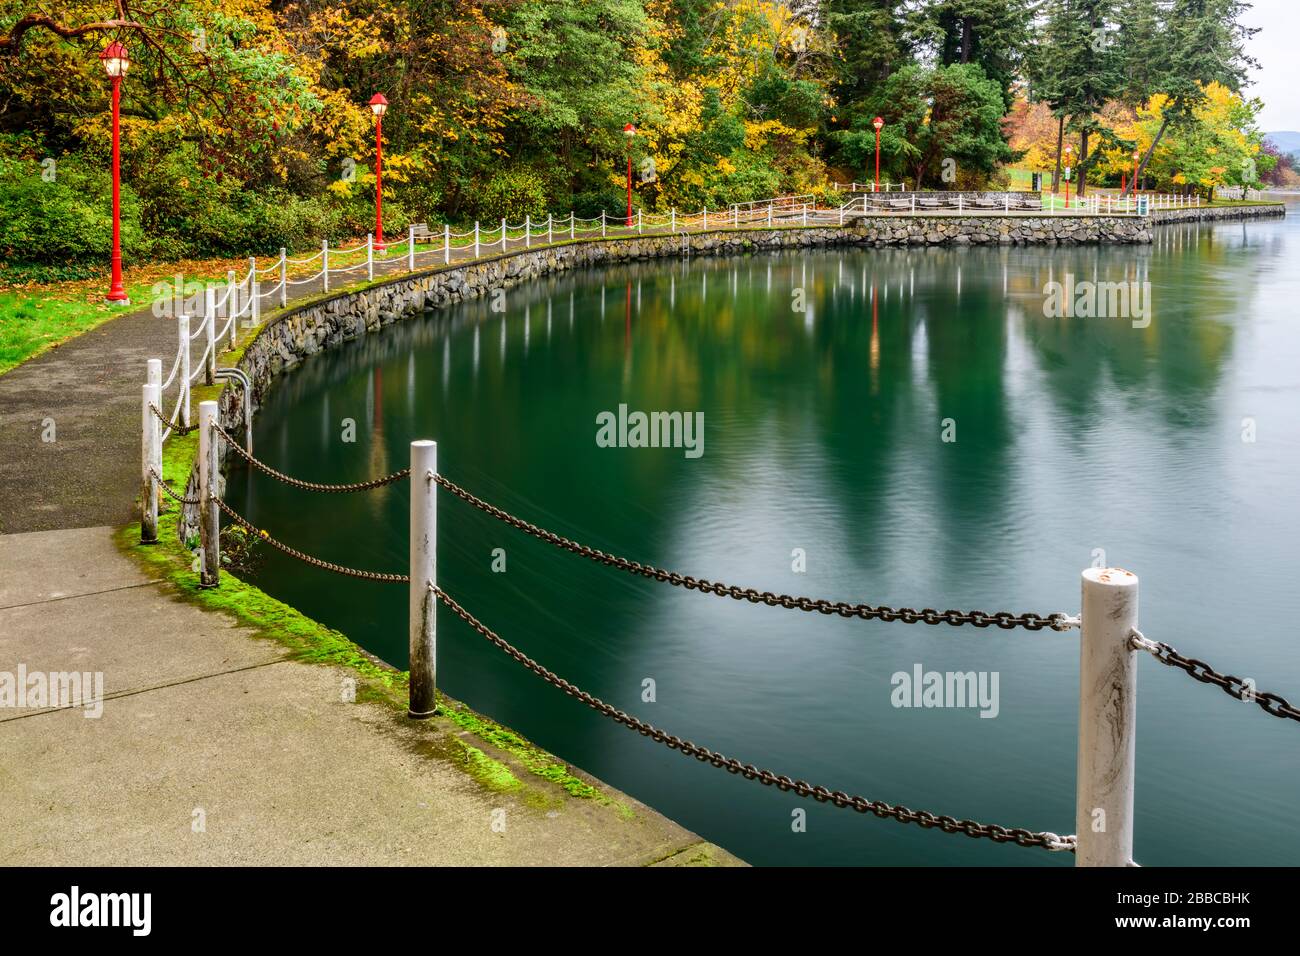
{"type": "Point", "coordinates": [214, 745]}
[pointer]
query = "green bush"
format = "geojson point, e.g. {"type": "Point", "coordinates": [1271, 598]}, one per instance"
{"type": "Point", "coordinates": [512, 194]}
{"type": "Point", "coordinates": [67, 218]}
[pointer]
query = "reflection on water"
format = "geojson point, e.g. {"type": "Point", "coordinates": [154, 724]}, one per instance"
{"type": "Point", "coordinates": [826, 379]}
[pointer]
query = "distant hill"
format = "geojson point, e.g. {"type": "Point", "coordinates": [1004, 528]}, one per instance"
{"type": "Point", "coordinates": [1285, 141]}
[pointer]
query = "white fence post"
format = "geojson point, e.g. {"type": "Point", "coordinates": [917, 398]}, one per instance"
{"type": "Point", "coordinates": [284, 277]}
{"type": "Point", "coordinates": [503, 235]}
{"type": "Point", "coordinates": [805, 214]}
{"type": "Point", "coordinates": [446, 244]}
{"type": "Point", "coordinates": [705, 214]}
{"type": "Point", "coordinates": [370, 255]}
{"type": "Point", "coordinates": [735, 215]}
{"type": "Point", "coordinates": [209, 475]}
{"type": "Point", "coordinates": [423, 700]}
{"type": "Point", "coordinates": [475, 238]}
{"type": "Point", "coordinates": [210, 334]}
{"type": "Point", "coordinates": [572, 223]}
{"type": "Point", "coordinates": [638, 221]}
{"type": "Point", "coordinates": [150, 453]}
{"type": "Point", "coordinates": [232, 305]}
{"type": "Point", "coordinates": [1103, 813]}
{"type": "Point", "coordinates": [913, 205]}
{"type": "Point", "coordinates": [410, 249]}
{"type": "Point", "coordinates": [183, 329]}
{"type": "Point", "coordinates": [672, 220]}
{"type": "Point", "coordinates": [550, 228]}
{"type": "Point", "coordinates": [602, 224]}
{"type": "Point", "coordinates": [325, 265]}
{"type": "Point", "coordinates": [769, 215]}
{"type": "Point", "coordinates": [255, 303]}
{"type": "Point", "coordinates": [528, 231]}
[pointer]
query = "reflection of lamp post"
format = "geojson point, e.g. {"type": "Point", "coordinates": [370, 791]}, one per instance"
{"type": "Point", "coordinates": [1136, 156]}
{"type": "Point", "coordinates": [877, 123]}
{"type": "Point", "coordinates": [630, 132]}
{"type": "Point", "coordinates": [1069, 154]}
{"type": "Point", "coordinates": [379, 104]}
{"type": "Point", "coordinates": [116, 63]}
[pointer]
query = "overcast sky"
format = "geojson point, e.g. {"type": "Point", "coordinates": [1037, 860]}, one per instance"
{"type": "Point", "coordinates": [1277, 81]}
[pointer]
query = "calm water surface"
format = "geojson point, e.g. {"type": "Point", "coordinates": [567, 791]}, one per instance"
{"type": "Point", "coordinates": [823, 433]}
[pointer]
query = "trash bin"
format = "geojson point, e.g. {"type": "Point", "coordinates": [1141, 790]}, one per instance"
{"type": "Point", "coordinates": [1036, 182]}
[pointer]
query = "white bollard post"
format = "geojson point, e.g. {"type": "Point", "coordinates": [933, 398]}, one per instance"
{"type": "Point", "coordinates": [423, 604]}
{"type": "Point", "coordinates": [602, 224]}
{"type": "Point", "coordinates": [706, 217]}
{"type": "Point", "coordinates": [841, 215]}
{"type": "Point", "coordinates": [672, 220]}
{"type": "Point", "coordinates": [232, 306]}
{"type": "Point", "coordinates": [183, 329]}
{"type": "Point", "coordinates": [255, 303]}
{"type": "Point", "coordinates": [550, 229]}
{"type": "Point", "coordinates": [572, 223]}
{"type": "Point", "coordinates": [209, 475]}
{"type": "Point", "coordinates": [150, 453]}
{"type": "Point", "coordinates": [638, 221]}
{"type": "Point", "coordinates": [410, 248]}
{"type": "Point", "coordinates": [735, 216]}
{"type": "Point", "coordinates": [769, 215]}
{"type": "Point", "coordinates": [284, 277]}
{"type": "Point", "coordinates": [325, 265]}
{"type": "Point", "coordinates": [1006, 204]}
{"type": "Point", "coordinates": [370, 255]}
{"type": "Point", "coordinates": [805, 214]}
{"type": "Point", "coordinates": [528, 230]}
{"type": "Point", "coordinates": [503, 235]}
{"type": "Point", "coordinates": [446, 244]}
{"type": "Point", "coordinates": [959, 203]}
{"type": "Point", "coordinates": [475, 238]}
{"type": "Point", "coordinates": [1103, 812]}
{"type": "Point", "coordinates": [210, 334]}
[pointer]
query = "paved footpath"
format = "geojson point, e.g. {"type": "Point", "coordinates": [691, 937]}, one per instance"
{"type": "Point", "coordinates": [213, 747]}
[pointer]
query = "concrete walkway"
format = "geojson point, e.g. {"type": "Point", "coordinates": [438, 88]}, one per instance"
{"type": "Point", "coordinates": [213, 747]}
{"type": "Point", "coordinates": [203, 721]}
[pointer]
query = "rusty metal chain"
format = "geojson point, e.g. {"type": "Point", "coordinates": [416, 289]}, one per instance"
{"type": "Point", "coordinates": [176, 427]}
{"type": "Point", "coordinates": [310, 485]}
{"type": "Point", "coordinates": [171, 494]}
{"type": "Point", "coordinates": [1233, 686]}
{"type": "Point", "coordinates": [314, 562]}
{"type": "Point", "coordinates": [923, 818]}
{"type": "Point", "coordinates": [1004, 619]}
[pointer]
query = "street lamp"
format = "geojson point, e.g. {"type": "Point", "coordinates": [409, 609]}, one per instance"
{"type": "Point", "coordinates": [630, 132]}
{"type": "Point", "coordinates": [116, 63]}
{"type": "Point", "coordinates": [877, 123]}
{"type": "Point", "coordinates": [379, 106]}
{"type": "Point", "coordinates": [1069, 155]}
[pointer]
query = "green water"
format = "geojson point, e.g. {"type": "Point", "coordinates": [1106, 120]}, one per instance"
{"type": "Point", "coordinates": [823, 432]}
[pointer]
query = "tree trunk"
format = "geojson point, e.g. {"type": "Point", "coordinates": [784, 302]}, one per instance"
{"type": "Point", "coordinates": [1060, 142]}
{"type": "Point", "coordinates": [967, 39]}
{"type": "Point", "coordinates": [1083, 156]}
{"type": "Point", "coordinates": [1142, 166]}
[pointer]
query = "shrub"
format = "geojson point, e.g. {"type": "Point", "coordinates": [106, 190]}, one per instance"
{"type": "Point", "coordinates": [512, 194]}
{"type": "Point", "coordinates": [65, 219]}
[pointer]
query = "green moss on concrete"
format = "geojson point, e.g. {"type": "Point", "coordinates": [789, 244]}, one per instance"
{"type": "Point", "coordinates": [492, 774]}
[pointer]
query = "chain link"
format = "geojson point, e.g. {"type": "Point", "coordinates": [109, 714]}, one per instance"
{"type": "Point", "coordinates": [907, 615]}
{"type": "Point", "coordinates": [314, 562]}
{"type": "Point", "coordinates": [1236, 687]}
{"type": "Point", "coordinates": [310, 485]}
{"type": "Point", "coordinates": [176, 427]}
{"type": "Point", "coordinates": [171, 494]}
{"type": "Point", "coordinates": [923, 818]}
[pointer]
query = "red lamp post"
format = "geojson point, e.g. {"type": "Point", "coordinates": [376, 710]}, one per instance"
{"type": "Point", "coordinates": [878, 123]}
{"type": "Point", "coordinates": [116, 63]}
{"type": "Point", "coordinates": [630, 132]}
{"type": "Point", "coordinates": [379, 105]}
{"type": "Point", "coordinates": [1069, 155]}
